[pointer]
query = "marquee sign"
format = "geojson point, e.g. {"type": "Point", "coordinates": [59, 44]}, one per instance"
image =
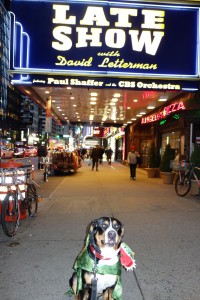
{"type": "Point", "coordinates": [107, 82]}
{"type": "Point", "coordinates": [106, 38]}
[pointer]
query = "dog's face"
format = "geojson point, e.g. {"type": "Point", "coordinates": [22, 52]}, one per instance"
{"type": "Point", "coordinates": [106, 232]}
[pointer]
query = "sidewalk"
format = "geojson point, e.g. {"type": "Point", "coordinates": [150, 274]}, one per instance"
{"type": "Point", "coordinates": [161, 228]}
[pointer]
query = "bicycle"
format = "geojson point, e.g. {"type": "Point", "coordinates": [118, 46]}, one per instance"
{"type": "Point", "coordinates": [21, 194]}
{"type": "Point", "coordinates": [183, 181]}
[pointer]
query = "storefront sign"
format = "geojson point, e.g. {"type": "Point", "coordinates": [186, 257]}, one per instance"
{"type": "Point", "coordinates": [167, 110]}
{"type": "Point", "coordinates": [107, 38]}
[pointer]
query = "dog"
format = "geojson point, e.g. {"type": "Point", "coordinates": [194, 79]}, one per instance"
{"type": "Point", "coordinates": [98, 266]}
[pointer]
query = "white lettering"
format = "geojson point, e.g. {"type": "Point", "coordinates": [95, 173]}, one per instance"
{"type": "Point", "coordinates": [123, 16]}
{"type": "Point", "coordinates": [60, 15]}
{"type": "Point", "coordinates": [83, 36]}
{"type": "Point", "coordinates": [64, 42]}
{"type": "Point", "coordinates": [115, 38]}
{"type": "Point", "coordinates": [145, 40]}
{"type": "Point", "coordinates": [94, 14]}
{"type": "Point", "coordinates": [152, 18]}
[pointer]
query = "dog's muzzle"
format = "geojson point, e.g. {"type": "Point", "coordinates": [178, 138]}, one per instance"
{"type": "Point", "coordinates": [111, 238]}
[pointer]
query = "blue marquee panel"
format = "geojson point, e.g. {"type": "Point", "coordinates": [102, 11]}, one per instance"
{"type": "Point", "coordinates": [104, 38]}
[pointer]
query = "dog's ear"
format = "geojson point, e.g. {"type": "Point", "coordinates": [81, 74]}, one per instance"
{"type": "Point", "coordinates": [91, 230]}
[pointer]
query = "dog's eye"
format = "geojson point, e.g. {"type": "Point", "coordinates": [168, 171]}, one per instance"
{"type": "Point", "coordinates": [116, 226]}
{"type": "Point", "coordinates": [104, 226]}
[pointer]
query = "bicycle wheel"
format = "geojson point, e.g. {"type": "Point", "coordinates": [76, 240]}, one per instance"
{"type": "Point", "coordinates": [32, 198]}
{"type": "Point", "coordinates": [10, 214]}
{"type": "Point", "coordinates": [182, 185]}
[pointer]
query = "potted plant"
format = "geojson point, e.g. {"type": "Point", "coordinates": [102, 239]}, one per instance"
{"type": "Point", "coordinates": [166, 167]}
{"type": "Point", "coordinates": [152, 169]}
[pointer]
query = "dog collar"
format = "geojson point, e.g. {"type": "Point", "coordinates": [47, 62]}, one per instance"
{"type": "Point", "coordinates": [97, 254]}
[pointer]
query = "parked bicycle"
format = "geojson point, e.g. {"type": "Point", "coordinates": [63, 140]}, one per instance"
{"type": "Point", "coordinates": [183, 181]}
{"type": "Point", "coordinates": [21, 194]}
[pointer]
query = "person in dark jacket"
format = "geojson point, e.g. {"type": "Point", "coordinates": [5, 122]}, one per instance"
{"type": "Point", "coordinates": [95, 157]}
{"type": "Point", "coordinates": [101, 150]}
{"type": "Point", "coordinates": [109, 154]}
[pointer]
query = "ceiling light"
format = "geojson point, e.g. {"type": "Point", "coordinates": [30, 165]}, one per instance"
{"type": "Point", "coordinates": [150, 107]}
{"type": "Point", "coordinates": [129, 122]}
{"type": "Point", "coordinates": [142, 113]}
{"type": "Point", "coordinates": [74, 105]}
{"type": "Point", "coordinates": [91, 117]}
{"type": "Point", "coordinates": [117, 95]}
{"type": "Point", "coordinates": [69, 88]}
{"type": "Point", "coordinates": [53, 101]}
{"type": "Point", "coordinates": [93, 94]}
{"type": "Point", "coordinates": [135, 100]}
{"type": "Point", "coordinates": [71, 97]}
{"type": "Point", "coordinates": [114, 99]}
{"type": "Point", "coordinates": [162, 98]}
{"type": "Point", "coordinates": [138, 115]}
{"type": "Point", "coordinates": [93, 102]}
{"type": "Point", "coordinates": [63, 114]}
{"type": "Point", "coordinates": [58, 106]}
{"type": "Point", "coordinates": [93, 98]}
{"type": "Point", "coordinates": [128, 107]}
{"type": "Point", "coordinates": [134, 119]}
{"type": "Point", "coordinates": [112, 104]}
{"type": "Point", "coordinates": [46, 92]}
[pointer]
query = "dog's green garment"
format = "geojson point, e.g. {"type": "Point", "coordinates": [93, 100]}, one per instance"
{"type": "Point", "coordinates": [84, 262]}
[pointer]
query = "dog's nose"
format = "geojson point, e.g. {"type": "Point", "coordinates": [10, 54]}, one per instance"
{"type": "Point", "coordinates": [112, 234]}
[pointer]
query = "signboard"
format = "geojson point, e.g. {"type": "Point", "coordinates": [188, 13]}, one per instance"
{"type": "Point", "coordinates": [107, 82]}
{"type": "Point", "coordinates": [26, 111]}
{"type": "Point", "coordinates": [165, 112]}
{"type": "Point", "coordinates": [105, 38]}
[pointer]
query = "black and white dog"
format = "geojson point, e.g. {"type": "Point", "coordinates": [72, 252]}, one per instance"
{"type": "Point", "coordinates": [101, 259]}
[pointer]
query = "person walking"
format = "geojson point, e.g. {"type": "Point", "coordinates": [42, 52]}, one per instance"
{"type": "Point", "coordinates": [132, 160]}
{"type": "Point", "coordinates": [95, 157]}
{"type": "Point", "coordinates": [101, 153]}
{"type": "Point", "coordinates": [109, 154]}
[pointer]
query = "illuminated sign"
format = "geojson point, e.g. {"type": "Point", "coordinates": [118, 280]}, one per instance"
{"type": "Point", "coordinates": [107, 82]}
{"type": "Point", "coordinates": [167, 110]}
{"type": "Point", "coordinates": [106, 38]}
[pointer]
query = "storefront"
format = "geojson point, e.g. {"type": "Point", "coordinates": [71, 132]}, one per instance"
{"type": "Point", "coordinates": [177, 124]}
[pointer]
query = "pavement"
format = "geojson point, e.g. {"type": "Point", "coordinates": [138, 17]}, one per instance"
{"type": "Point", "coordinates": [162, 229]}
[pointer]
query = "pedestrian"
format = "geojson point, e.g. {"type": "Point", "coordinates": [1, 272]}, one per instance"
{"type": "Point", "coordinates": [95, 157]}
{"type": "Point", "coordinates": [132, 161]}
{"type": "Point", "coordinates": [101, 150]}
{"type": "Point", "coordinates": [109, 154]}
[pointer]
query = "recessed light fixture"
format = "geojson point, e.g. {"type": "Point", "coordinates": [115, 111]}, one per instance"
{"type": "Point", "coordinates": [93, 94]}
{"type": "Point", "coordinates": [128, 107]}
{"type": "Point", "coordinates": [162, 98]}
{"type": "Point", "coordinates": [138, 115]}
{"type": "Point", "coordinates": [142, 113]}
{"type": "Point", "coordinates": [134, 119]}
{"type": "Point", "coordinates": [93, 98]}
{"type": "Point", "coordinates": [74, 105]}
{"type": "Point", "coordinates": [46, 92]}
{"type": "Point", "coordinates": [93, 102]}
{"type": "Point", "coordinates": [72, 98]}
{"type": "Point", "coordinates": [135, 100]}
{"type": "Point", "coordinates": [117, 95]}
{"type": "Point", "coordinates": [150, 107]}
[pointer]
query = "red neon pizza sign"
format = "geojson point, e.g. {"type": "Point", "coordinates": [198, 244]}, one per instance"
{"type": "Point", "coordinates": [167, 110]}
